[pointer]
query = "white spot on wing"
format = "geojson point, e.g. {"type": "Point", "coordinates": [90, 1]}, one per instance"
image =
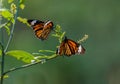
{"type": "Point", "coordinates": [58, 50]}
{"type": "Point", "coordinates": [79, 49]}
{"type": "Point", "coordinates": [33, 22]}
{"type": "Point", "coordinates": [47, 23]}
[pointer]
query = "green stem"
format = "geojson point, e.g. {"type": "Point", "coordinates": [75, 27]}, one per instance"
{"type": "Point", "coordinates": [46, 58]}
{"type": "Point", "coordinates": [2, 63]}
{"type": "Point", "coordinates": [21, 67]}
{"type": "Point", "coordinates": [8, 43]}
{"type": "Point", "coordinates": [2, 48]}
{"type": "Point", "coordinates": [13, 27]}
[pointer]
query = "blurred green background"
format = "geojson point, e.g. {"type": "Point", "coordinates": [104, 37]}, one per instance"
{"type": "Point", "coordinates": [100, 19]}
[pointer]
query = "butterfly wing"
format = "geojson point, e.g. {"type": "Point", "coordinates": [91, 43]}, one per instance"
{"type": "Point", "coordinates": [81, 50]}
{"type": "Point", "coordinates": [69, 47]}
{"type": "Point", "coordinates": [37, 26]}
{"type": "Point", "coordinates": [48, 26]}
{"type": "Point", "coordinates": [41, 28]}
{"type": "Point", "coordinates": [61, 49]}
{"type": "Point", "coordinates": [35, 22]}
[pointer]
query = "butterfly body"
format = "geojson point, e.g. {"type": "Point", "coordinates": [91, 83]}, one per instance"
{"type": "Point", "coordinates": [69, 47]}
{"type": "Point", "coordinates": [41, 29]}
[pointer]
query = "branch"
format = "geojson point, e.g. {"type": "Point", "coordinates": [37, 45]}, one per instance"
{"type": "Point", "coordinates": [9, 40]}
{"type": "Point", "coordinates": [2, 63]}
{"type": "Point", "coordinates": [44, 59]}
{"type": "Point", "coordinates": [83, 39]}
{"type": "Point", "coordinates": [13, 27]}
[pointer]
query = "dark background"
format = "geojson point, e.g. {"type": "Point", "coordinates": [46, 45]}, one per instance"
{"type": "Point", "coordinates": [100, 19]}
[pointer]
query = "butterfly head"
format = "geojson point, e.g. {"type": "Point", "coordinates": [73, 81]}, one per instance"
{"type": "Point", "coordinates": [65, 39]}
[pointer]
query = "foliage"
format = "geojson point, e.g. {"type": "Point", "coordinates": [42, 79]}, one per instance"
{"type": "Point", "coordinates": [10, 16]}
{"type": "Point", "coordinates": [5, 76]}
{"type": "Point", "coordinates": [21, 55]}
{"type": "Point", "coordinates": [59, 34]}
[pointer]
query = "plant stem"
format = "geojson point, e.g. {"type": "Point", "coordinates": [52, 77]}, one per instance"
{"type": "Point", "coordinates": [28, 65]}
{"type": "Point", "coordinates": [2, 64]}
{"type": "Point", "coordinates": [8, 43]}
{"type": "Point", "coordinates": [13, 27]}
{"type": "Point", "coordinates": [2, 48]}
{"type": "Point", "coordinates": [21, 67]}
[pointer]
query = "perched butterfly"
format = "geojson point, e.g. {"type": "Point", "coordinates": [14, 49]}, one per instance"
{"type": "Point", "coordinates": [41, 29]}
{"type": "Point", "coordinates": [69, 47]}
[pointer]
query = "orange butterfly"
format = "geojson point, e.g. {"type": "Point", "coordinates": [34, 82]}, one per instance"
{"type": "Point", "coordinates": [42, 29]}
{"type": "Point", "coordinates": [69, 47]}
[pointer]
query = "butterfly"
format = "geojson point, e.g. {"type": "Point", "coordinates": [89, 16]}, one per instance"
{"type": "Point", "coordinates": [69, 47]}
{"type": "Point", "coordinates": [41, 28]}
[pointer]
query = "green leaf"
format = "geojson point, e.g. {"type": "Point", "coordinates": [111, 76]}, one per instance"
{"type": "Point", "coordinates": [61, 37]}
{"type": "Point", "coordinates": [7, 14]}
{"type": "Point", "coordinates": [58, 28]}
{"type": "Point", "coordinates": [10, 1]}
{"type": "Point", "coordinates": [6, 26]}
{"type": "Point", "coordinates": [21, 55]}
{"type": "Point", "coordinates": [23, 20]}
{"type": "Point", "coordinates": [7, 29]}
{"type": "Point", "coordinates": [13, 8]}
{"type": "Point", "coordinates": [5, 76]}
{"type": "Point", "coordinates": [22, 6]}
{"type": "Point", "coordinates": [2, 25]}
{"type": "Point", "coordinates": [2, 9]}
{"type": "Point", "coordinates": [59, 33]}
